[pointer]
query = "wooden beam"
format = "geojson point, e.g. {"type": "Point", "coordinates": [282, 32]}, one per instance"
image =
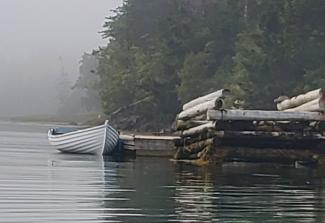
{"type": "Point", "coordinates": [127, 137]}
{"type": "Point", "coordinates": [300, 99]}
{"type": "Point", "coordinates": [212, 96]}
{"type": "Point", "coordinates": [314, 105]}
{"type": "Point", "coordinates": [183, 125]}
{"type": "Point", "coordinates": [270, 135]}
{"type": "Point", "coordinates": [258, 115]}
{"type": "Point", "coordinates": [200, 109]}
{"type": "Point", "coordinates": [199, 129]}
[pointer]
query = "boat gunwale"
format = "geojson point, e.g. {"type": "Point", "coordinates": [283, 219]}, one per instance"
{"type": "Point", "coordinates": [84, 135]}
{"type": "Point", "coordinates": [76, 131]}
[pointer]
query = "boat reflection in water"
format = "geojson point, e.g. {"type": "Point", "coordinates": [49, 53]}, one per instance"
{"type": "Point", "coordinates": [88, 186]}
{"type": "Point", "coordinates": [38, 184]}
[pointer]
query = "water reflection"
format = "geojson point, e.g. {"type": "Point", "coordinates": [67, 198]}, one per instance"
{"type": "Point", "coordinates": [161, 191]}
{"type": "Point", "coordinates": [145, 180]}
{"type": "Point", "coordinates": [248, 193]}
{"type": "Point", "coordinates": [37, 184]}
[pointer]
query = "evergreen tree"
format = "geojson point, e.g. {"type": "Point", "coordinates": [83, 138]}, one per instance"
{"type": "Point", "coordinates": [163, 53]}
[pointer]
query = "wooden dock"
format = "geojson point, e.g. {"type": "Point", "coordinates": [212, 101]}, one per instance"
{"type": "Point", "coordinates": [209, 133]}
{"type": "Point", "coordinates": [150, 145]}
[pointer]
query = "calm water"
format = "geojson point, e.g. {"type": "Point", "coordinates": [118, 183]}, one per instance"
{"type": "Point", "coordinates": [38, 184]}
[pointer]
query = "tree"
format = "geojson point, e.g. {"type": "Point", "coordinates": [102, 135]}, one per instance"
{"type": "Point", "coordinates": [88, 81]}
{"type": "Point", "coordinates": [162, 53]}
{"type": "Point", "coordinates": [63, 85]}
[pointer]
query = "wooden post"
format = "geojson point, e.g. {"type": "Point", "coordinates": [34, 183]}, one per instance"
{"type": "Point", "coordinates": [212, 96]}
{"type": "Point", "coordinates": [256, 115]}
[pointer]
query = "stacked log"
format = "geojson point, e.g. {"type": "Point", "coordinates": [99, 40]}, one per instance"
{"type": "Point", "coordinates": [220, 94]}
{"type": "Point", "coordinates": [209, 131]}
{"type": "Point", "coordinates": [200, 109]}
{"type": "Point", "coordinates": [269, 129]}
{"type": "Point", "coordinates": [313, 101]}
{"type": "Point", "coordinates": [197, 137]}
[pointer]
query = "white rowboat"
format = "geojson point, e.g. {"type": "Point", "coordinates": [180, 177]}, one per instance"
{"type": "Point", "coordinates": [101, 139]}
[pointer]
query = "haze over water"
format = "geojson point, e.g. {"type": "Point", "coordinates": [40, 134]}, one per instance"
{"type": "Point", "coordinates": [38, 184]}
{"type": "Point", "coordinates": [37, 39]}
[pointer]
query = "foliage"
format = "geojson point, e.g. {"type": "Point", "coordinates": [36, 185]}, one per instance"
{"type": "Point", "coordinates": [88, 81]}
{"type": "Point", "coordinates": [63, 85]}
{"type": "Point", "coordinates": [170, 51]}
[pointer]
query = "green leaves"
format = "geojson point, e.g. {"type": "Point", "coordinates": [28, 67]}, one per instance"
{"type": "Point", "coordinates": [175, 50]}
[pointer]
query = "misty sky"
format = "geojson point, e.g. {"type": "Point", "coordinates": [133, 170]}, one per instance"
{"type": "Point", "coordinates": [33, 35]}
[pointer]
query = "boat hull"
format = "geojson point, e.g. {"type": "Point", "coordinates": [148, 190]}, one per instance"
{"type": "Point", "coordinates": [96, 140]}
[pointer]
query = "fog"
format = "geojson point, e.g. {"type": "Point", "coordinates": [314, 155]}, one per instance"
{"type": "Point", "coordinates": [34, 35]}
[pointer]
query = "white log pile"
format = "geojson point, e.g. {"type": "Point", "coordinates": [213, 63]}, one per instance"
{"type": "Point", "coordinates": [193, 124]}
{"type": "Point", "coordinates": [205, 125]}
{"type": "Point", "coordinates": [313, 101]}
{"type": "Point", "coordinates": [200, 109]}
{"type": "Point", "coordinates": [220, 94]}
{"type": "Point", "coordinates": [184, 125]}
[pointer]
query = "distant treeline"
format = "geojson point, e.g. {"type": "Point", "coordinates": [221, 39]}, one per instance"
{"type": "Point", "coordinates": [162, 53]}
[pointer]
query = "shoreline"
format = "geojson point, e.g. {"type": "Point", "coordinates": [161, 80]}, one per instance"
{"type": "Point", "coordinates": [76, 120]}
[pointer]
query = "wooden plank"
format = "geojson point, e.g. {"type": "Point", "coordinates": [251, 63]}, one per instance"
{"type": "Point", "coordinates": [300, 99]}
{"type": "Point", "coordinates": [271, 135]}
{"type": "Point", "coordinates": [257, 115]}
{"type": "Point", "coordinates": [129, 147]}
{"type": "Point", "coordinates": [154, 137]}
{"type": "Point", "coordinates": [200, 109]}
{"type": "Point", "coordinates": [155, 147]}
{"type": "Point", "coordinates": [127, 140]}
{"type": "Point", "coordinates": [127, 137]}
{"type": "Point", "coordinates": [130, 143]}
{"type": "Point", "coordinates": [212, 96]}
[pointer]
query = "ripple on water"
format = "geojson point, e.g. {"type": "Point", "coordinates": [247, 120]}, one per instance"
{"type": "Point", "coordinates": [38, 184]}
